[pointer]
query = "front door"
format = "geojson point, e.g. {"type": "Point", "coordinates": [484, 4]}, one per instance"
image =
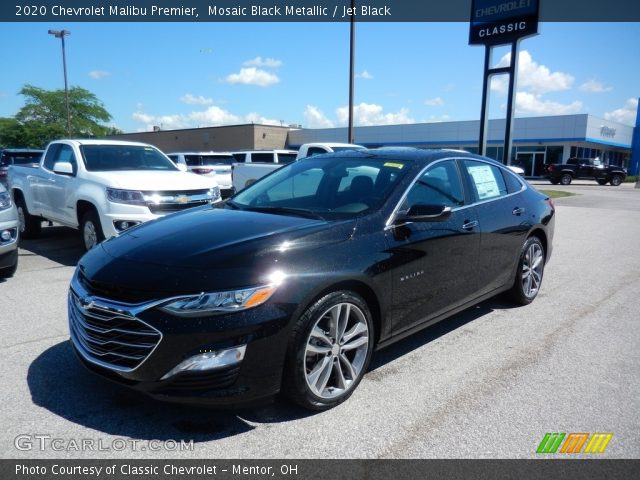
{"type": "Point", "coordinates": [435, 262]}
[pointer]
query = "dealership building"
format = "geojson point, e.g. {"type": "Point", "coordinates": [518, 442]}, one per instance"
{"type": "Point", "coordinates": [536, 140]}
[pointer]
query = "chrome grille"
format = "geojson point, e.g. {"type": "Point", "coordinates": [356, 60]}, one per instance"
{"type": "Point", "coordinates": [112, 338]}
{"type": "Point", "coordinates": [168, 202]}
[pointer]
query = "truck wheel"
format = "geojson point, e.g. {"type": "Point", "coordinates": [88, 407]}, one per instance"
{"type": "Point", "coordinates": [566, 179]}
{"type": "Point", "coordinates": [554, 181]}
{"type": "Point", "coordinates": [616, 180]}
{"type": "Point", "coordinates": [91, 230]}
{"type": "Point", "coordinates": [28, 225]}
{"type": "Point", "coordinates": [601, 182]}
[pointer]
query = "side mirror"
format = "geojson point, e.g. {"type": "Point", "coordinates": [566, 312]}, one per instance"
{"type": "Point", "coordinates": [63, 168]}
{"type": "Point", "coordinates": [425, 213]}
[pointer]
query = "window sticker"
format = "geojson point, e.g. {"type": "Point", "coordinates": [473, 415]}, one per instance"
{"type": "Point", "coordinates": [485, 181]}
{"type": "Point", "coordinates": [394, 165]}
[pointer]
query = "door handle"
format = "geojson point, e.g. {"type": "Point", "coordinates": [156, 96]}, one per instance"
{"type": "Point", "coordinates": [518, 211]}
{"type": "Point", "coordinates": [469, 225]}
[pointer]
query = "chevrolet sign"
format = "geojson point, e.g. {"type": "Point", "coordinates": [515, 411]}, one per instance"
{"type": "Point", "coordinates": [498, 22]}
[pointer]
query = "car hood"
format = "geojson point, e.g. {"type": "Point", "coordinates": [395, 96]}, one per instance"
{"type": "Point", "coordinates": [208, 249]}
{"type": "Point", "coordinates": [149, 180]}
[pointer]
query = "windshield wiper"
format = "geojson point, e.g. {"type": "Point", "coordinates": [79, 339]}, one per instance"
{"type": "Point", "coordinates": [300, 212]}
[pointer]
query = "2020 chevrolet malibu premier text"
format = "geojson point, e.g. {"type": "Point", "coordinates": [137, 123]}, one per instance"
{"type": "Point", "coordinates": [294, 282]}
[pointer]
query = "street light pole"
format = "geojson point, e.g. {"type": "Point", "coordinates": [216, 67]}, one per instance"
{"type": "Point", "coordinates": [352, 62]}
{"type": "Point", "coordinates": [61, 34]}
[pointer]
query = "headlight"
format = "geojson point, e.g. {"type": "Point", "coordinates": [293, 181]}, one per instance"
{"type": "Point", "coordinates": [214, 194]}
{"type": "Point", "coordinates": [219, 302]}
{"type": "Point", "coordinates": [130, 197]}
{"type": "Point", "coordinates": [5, 200]}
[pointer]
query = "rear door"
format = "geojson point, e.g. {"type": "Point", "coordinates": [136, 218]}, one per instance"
{"type": "Point", "coordinates": [503, 218]}
{"type": "Point", "coordinates": [435, 262]}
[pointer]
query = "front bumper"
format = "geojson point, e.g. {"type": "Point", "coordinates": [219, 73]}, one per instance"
{"type": "Point", "coordinates": [264, 330]}
{"type": "Point", "coordinates": [9, 248]}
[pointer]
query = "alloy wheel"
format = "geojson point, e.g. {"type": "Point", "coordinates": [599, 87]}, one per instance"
{"type": "Point", "coordinates": [532, 266]}
{"type": "Point", "coordinates": [89, 235]}
{"type": "Point", "coordinates": [336, 351]}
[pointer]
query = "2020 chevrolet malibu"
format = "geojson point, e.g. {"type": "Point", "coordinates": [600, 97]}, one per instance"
{"type": "Point", "coordinates": [294, 282]}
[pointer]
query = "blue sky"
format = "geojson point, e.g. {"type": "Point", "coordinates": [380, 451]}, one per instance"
{"type": "Point", "coordinates": [181, 75]}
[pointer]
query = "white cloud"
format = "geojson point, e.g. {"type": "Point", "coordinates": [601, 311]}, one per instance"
{"type": "Point", "coordinates": [314, 118]}
{"type": "Point", "coordinates": [532, 77]}
{"type": "Point", "coordinates": [434, 102]}
{"type": "Point", "coordinates": [98, 74]}
{"type": "Point", "coordinates": [263, 62]}
{"type": "Point", "coordinates": [190, 99]}
{"type": "Point", "coordinates": [593, 86]}
{"type": "Point", "coordinates": [528, 103]}
{"type": "Point", "coordinates": [211, 117]}
{"type": "Point", "coordinates": [626, 114]}
{"type": "Point", "coordinates": [365, 75]}
{"type": "Point", "coordinates": [364, 114]}
{"type": "Point", "coordinates": [252, 76]}
{"type": "Point", "coordinates": [367, 114]}
{"type": "Point", "coordinates": [437, 119]}
{"type": "Point", "coordinates": [254, 117]}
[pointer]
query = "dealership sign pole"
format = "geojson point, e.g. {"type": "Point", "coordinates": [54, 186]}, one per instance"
{"type": "Point", "coordinates": [494, 23]}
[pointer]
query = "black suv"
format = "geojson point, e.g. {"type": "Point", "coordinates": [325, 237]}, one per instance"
{"type": "Point", "coordinates": [16, 156]}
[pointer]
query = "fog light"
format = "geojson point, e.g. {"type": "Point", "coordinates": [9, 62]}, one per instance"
{"type": "Point", "coordinates": [209, 361]}
{"type": "Point", "coordinates": [122, 225]}
{"type": "Point", "coordinates": [5, 235]}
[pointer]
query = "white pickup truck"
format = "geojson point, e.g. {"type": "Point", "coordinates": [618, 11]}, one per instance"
{"type": "Point", "coordinates": [103, 187]}
{"type": "Point", "coordinates": [244, 174]}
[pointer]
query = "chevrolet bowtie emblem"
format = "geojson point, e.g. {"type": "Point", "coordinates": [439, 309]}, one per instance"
{"type": "Point", "coordinates": [182, 199]}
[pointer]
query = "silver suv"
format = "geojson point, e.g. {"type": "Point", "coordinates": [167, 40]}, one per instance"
{"type": "Point", "coordinates": [8, 234]}
{"type": "Point", "coordinates": [212, 164]}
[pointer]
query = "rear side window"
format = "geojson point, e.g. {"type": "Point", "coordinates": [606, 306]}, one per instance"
{"type": "Point", "coordinates": [513, 184]}
{"type": "Point", "coordinates": [287, 157]}
{"type": "Point", "coordinates": [262, 157]}
{"type": "Point", "coordinates": [193, 160]}
{"type": "Point", "coordinates": [315, 151]}
{"type": "Point", "coordinates": [240, 157]}
{"type": "Point", "coordinates": [487, 181]}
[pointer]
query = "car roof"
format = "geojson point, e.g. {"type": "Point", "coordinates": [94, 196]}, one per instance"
{"type": "Point", "coordinates": [225, 154]}
{"type": "Point", "coordinates": [94, 141]}
{"type": "Point", "coordinates": [408, 154]}
{"type": "Point", "coordinates": [22, 150]}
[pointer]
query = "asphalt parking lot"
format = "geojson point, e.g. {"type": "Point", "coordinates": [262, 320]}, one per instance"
{"type": "Point", "coordinates": [487, 383]}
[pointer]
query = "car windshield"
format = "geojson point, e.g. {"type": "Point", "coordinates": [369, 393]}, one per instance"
{"type": "Point", "coordinates": [329, 188]}
{"type": "Point", "coordinates": [106, 158]}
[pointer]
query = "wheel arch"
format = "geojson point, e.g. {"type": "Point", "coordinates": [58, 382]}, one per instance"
{"type": "Point", "coordinates": [82, 207]}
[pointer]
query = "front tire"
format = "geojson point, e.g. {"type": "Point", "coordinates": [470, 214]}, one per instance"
{"type": "Point", "coordinates": [329, 351]}
{"type": "Point", "coordinates": [9, 271]}
{"type": "Point", "coordinates": [28, 225]}
{"type": "Point", "coordinates": [566, 179]}
{"type": "Point", "coordinates": [530, 272]}
{"type": "Point", "coordinates": [616, 180]}
{"type": "Point", "coordinates": [91, 230]}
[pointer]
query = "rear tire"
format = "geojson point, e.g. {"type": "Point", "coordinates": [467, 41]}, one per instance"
{"type": "Point", "coordinates": [530, 272]}
{"type": "Point", "coordinates": [329, 351]}
{"type": "Point", "coordinates": [566, 179]}
{"type": "Point", "coordinates": [616, 180]}
{"type": "Point", "coordinates": [28, 225]}
{"type": "Point", "coordinates": [91, 230]}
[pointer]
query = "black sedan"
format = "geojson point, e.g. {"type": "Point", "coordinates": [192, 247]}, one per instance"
{"type": "Point", "coordinates": [295, 281]}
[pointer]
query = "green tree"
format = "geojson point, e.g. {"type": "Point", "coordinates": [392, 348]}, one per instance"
{"type": "Point", "coordinates": [44, 117]}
